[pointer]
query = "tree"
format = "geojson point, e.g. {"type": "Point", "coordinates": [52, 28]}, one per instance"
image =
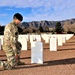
{"type": "Point", "coordinates": [41, 29]}
{"type": "Point", "coordinates": [58, 27]}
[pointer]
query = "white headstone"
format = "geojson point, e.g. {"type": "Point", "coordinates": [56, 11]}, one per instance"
{"type": "Point", "coordinates": [68, 36]}
{"type": "Point", "coordinates": [43, 36]}
{"type": "Point", "coordinates": [60, 43]}
{"type": "Point", "coordinates": [63, 39]}
{"type": "Point", "coordinates": [27, 37]}
{"type": "Point", "coordinates": [47, 40]}
{"type": "Point", "coordinates": [24, 44]}
{"type": "Point", "coordinates": [23, 41]}
{"type": "Point", "coordinates": [1, 37]}
{"type": "Point", "coordinates": [37, 52]}
{"type": "Point", "coordinates": [32, 38]}
{"type": "Point", "coordinates": [53, 44]}
{"type": "Point", "coordinates": [0, 44]}
{"type": "Point", "coordinates": [46, 37]}
{"type": "Point", "coordinates": [38, 37]}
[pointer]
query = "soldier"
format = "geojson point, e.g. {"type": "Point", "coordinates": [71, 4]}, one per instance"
{"type": "Point", "coordinates": [11, 45]}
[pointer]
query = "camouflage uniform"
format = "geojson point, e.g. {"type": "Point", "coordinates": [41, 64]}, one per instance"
{"type": "Point", "coordinates": [11, 46]}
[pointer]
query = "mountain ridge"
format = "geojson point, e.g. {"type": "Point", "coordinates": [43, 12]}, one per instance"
{"type": "Point", "coordinates": [45, 23]}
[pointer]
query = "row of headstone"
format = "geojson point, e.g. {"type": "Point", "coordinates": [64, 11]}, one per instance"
{"type": "Point", "coordinates": [37, 45]}
{"type": "Point", "coordinates": [24, 38]}
{"type": "Point", "coordinates": [37, 48]}
{"type": "Point", "coordinates": [47, 37]}
{"type": "Point", "coordinates": [56, 40]}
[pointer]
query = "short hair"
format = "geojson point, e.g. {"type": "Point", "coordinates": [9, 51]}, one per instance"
{"type": "Point", "coordinates": [18, 16]}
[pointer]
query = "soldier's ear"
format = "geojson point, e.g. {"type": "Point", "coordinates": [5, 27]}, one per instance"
{"type": "Point", "coordinates": [14, 18]}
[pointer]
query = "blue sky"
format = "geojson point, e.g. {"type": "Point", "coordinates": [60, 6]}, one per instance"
{"type": "Point", "coordinates": [37, 10]}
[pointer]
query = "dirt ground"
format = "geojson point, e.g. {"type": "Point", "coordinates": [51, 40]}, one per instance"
{"type": "Point", "coordinates": [61, 62]}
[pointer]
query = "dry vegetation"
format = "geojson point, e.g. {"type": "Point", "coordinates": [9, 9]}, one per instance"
{"type": "Point", "coordinates": [68, 27]}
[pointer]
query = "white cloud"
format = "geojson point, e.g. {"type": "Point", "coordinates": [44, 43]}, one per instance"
{"type": "Point", "coordinates": [44, 9]}
{"type": "Point", "coordinates": [3, 15]}
{"type": "Point", "coordinates": [37, 3]}
{"type": "Point", "coordinates": [57, 5]}
{"type": "Point", "coordinates": [38, 17]}
{"type": "Point", "coordinates": [22, 3]}
{"type": "Point", "coordinates": [9, 9]}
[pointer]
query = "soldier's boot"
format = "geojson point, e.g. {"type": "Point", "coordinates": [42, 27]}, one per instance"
{"type": "Point", "coordinates": [5, 66]}
{"type": "Point", "coordinates": [1, 66]}
{"type": "Point", "coordinates": [20, 62]}
{"type": "Point", "coordinates": [8, 67]}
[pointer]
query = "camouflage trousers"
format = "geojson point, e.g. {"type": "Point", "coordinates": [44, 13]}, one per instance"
{"type": "Point", "coordinates": [11, 60]}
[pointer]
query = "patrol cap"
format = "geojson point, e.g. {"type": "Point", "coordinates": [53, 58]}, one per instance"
{"type": "Point", "coordinates": [18, 16]}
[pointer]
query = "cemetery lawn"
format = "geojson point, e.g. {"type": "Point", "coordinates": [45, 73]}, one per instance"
{"type": "Point", "coordinates": [60, 62]}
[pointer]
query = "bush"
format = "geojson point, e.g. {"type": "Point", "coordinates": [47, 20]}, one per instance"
{"type": "Point", "coordinates": [58, 28]}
